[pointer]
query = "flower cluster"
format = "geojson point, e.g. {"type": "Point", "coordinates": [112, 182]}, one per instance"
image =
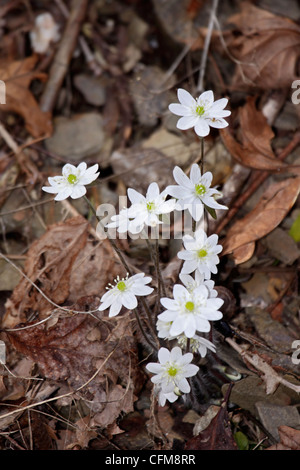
{"type": "Point", "coordinates": [186, 316]}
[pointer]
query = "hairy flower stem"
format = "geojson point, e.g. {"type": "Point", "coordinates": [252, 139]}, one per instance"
{"type": "Point", "coordinates": [202, 156]}
{"type": "Point", "coordinates": [154, 253]}
{"type": "Point", "coordinates": [128, 270]}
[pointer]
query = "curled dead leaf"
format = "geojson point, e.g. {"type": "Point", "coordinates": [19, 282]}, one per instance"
{"type": "Point", "coordinates": [271, 209]}
{"type": "Point", "coordinates": [17, 77]}
{"type": "Point", "coordinates": [264, 45]}
{"type": "Point", "coordinates": [254, 149]}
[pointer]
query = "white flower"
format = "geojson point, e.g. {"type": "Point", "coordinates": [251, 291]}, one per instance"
{"type": "Point", "coordinates": [44, 32]}
{"type": "Point", "coordinates": [201, 252]}
{"type": "Point", "coordinates": [194, 192]}
{"type": "Point", "coordinates": [172, 370]}
{"type": "Point", "coordinates": [197, 344]}
{"type": "Point", "coordinates": [163, 397]}
{"type": "Point", "coordinates": [200, 113]}
{"type": "Point", "coordinates": [191, 283]}
{"type": "Point", "coordinates": [124, 292]}
{"type": "Point", "coordinates": [72, 182]}
{"type": "Point", "coordinates": [122, 222]}
{"type": "Point", "coordinates": [144, 210]}
{"type": "Point", "coordinates": [189, 312]}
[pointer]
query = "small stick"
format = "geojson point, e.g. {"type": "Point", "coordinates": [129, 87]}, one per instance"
{"type": "Point", "coordinates": [63, 56]}
{"type": "Point", "coordinates": [206, 44]}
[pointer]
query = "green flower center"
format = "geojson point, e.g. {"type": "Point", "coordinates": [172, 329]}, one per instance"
{"type": "Point", "coordinates": [150, 206]}
{"type": "Point", "coordinates": [202, 253]}
{"type": "Point", "coordinates": [172, 371]}
{"type": "Point", "coordinates": [200, 189]}
{"type": "Point", "coordinates": [189, 306]}
{"type": "Point", "coordinates": [72, 179]}
{"type": "Point", "coordinates": [200, 110]}
{"type": "Point", "coordinates": [121, 286]}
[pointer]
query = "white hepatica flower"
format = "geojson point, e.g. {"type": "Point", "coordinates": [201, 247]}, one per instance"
{"type": "Point", "coordinates": [147, 209]}
{"type": "Point", "coordinates": [189, 312]}
{"type": "Point", "coordinates": [197, 344]}
{"type": "Point", "coordinates": [200, 113]}
{"type": "Point", "coordinates": [122, 222]}
{"type": "Point", "coordinates": [194, 192]}
{"type": "Point", "coordinates": [124, 293]}
{"type": "Point", "coordinates": [191, 283]}
{"type": "Point", "coordinates": [201, 252]}
{"type": "Point", "coordinates": [172, 370]}
{"type": "Point", "coordinates": [72, 182]}
{"type": "Point", "coordinates": [144, 210]}
{"type": "Point", "coordinates": [163, 397]}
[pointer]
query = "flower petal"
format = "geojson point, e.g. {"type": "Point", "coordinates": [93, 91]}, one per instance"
{"type": "Point", "coordinates": [185, 98]}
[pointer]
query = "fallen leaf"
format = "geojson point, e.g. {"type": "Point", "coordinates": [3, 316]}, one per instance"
{"type": "Point", "coordinates": [217, 436]}
{"type": "Point", "coordinates": [264, 45]}
{"type": "Point", "coordinates": [289, 439]}
{"type": "Point", "coordinates": [17, 77]}
{"type": "Point", "coordinates": [48, 264]}
{"type": "Point", "coordinates": [271, 209]}
{"type": "Point", "coordinates": [254, 149]}
{"type": "Point", "coordinates": [101, 369]}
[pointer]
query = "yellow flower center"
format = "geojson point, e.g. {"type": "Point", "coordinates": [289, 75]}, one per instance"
{"type": "Point", "coordinates": [172, 371]}
{"type": "Point", "coordinates": [202, 253]}
{"type": "Point", "coordinates": [200, 110]}
{"type": "Point", "coordinates": [72, 179]}
{"type": "Point", "coordinates": [121, 286]}
{"type": "Point", "coordinates": [200, 189]}
{"type": "Point", "coordinates": [150, 206]}
{"type": "Point", "coordinates": [190, 306]}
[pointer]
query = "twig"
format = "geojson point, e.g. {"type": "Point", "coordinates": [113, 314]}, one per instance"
{"type": "Point", "coordinates": [63, 56]}
{"type": "Point", "coordinates": [89, 57]}
{"type": "Point", "coordinates": [271, 378]}
{"type": "Point", "coordinates": [24, 162]}
{"type": "Point", "coordinates": [207, 44]}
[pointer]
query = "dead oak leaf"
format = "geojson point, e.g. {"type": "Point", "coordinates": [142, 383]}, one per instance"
{"type": "Point", "coordinates": [270, 210]}
{"type": "Point", "coordinates": [253, 149]}
{"type": "Point", "coordinates": [17, 77]}
{"type": "Point", "coordinates": [266, 46]}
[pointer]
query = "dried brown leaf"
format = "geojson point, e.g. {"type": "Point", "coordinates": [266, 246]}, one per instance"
{"type": "Point", "coordinates": [271, 209]}
{"type": "Point", "coordinates": [17, 76]}
{"type": "Point", "coordinates": [49, 264]}
{"type": "Point", "coordinates": [69, 351]}
{"type": "Point", "coordinates": [254, 149]}
{"type": "Point", "coordinates": [267, 48]}
{"type": "Point", "coordinates": [217, 436]}
{"type": "Point", "coordinates": [289, 439]}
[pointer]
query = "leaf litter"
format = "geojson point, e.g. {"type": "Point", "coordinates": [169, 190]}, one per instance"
{"type": "Point", "coordinates": [63, 356]}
